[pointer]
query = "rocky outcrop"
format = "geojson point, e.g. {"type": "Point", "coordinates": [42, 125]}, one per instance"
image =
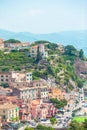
{"type": "Point", "coordinates": [81, 68]}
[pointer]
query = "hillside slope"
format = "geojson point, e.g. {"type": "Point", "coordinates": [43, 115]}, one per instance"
{"type": "Point", "coordinates": [76, 38]}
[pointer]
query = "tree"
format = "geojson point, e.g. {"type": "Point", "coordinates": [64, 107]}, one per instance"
{"type": "Point", "coordinates": [12, 41]}
{"type": "Point", "coordinates": [70, 50]}
{"type": "Point", "coordinates": [5, 68]}
{"type": "Point", "coordinates": [27, 128]}
{"type": "Point", "coordinates": [52, 46]}
{"type": "Point", "coordinates": [41, 127]}
{"type": "Point", "coordinates": [81, 54]}
{"type": "Point", "coordinates": [75, 126]}
{"type": "Point", "coordinates": [5, 85]}
{"type": "Point", "coordinates": [80, 84]}
{"type": "Point", "coordinates": [53, 120]}
{"type": "Point", "coordinates": [73, 114]}
{"type": "Point", "coordinates": [58, 103]}
{"type": "Point", "coordinates": [39, 57]}
{"type": "Point", "coordinates": [85, 124]}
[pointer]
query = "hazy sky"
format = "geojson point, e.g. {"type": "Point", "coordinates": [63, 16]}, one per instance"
{"type": "Point", "coordinates": [43, 16]}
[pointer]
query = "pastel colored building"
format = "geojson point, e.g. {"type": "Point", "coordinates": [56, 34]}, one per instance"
{"type": "Point", "coordinates": [8, 99]}
{"type": "Point", "coordinates": [43, 92]}
{"type": "Point", "coordinates": [17, 46]}
{"type": "Point", "coordinates": [31, 93]}
{"type": "Point", "coordinates": [5, 77]}
{"type": "Point", "coordinates": [15, 77]}
{"type": "Point", "coordinates": [9, 112]}
{"type": "Point", "coordinates": [41, 48]}
{"type": "Point", "coordinates": [37, 83]}
{"type": "Point", "coordinates": [1, 44]}
{"type": "Point", "coordinates": [33, 51]}
{"type": "Point", "coordinates": [21, 76]}
{"type": "Point", "coordinates": [33, 83]}
{"type": "Point", "coordinates": [40, 110]}
{"type": "Point", "coordinates": [26, 93]}
{"type": "Point", "coordinates": [57, 93]}
{"type": "Point", "coordinates": [5, 91]}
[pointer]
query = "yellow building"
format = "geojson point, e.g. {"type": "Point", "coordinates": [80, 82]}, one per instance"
{"type": "Point", "coordinates": [57, 93]}
{"type": "Point", "coordinates": [9, 112]}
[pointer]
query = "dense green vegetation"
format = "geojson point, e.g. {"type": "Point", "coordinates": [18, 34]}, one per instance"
{"type": "Point", "coordinates": [12, 41]}
{"type": "Point", "coordinates": [27, 128]}
{"type": "Point", "coordinates": [58, 103]}
{"type": "Point", "coordinates": [53, 120]}
{"type": "Point", "coordinates": [59, 64]}
{"type": "Point", "coordinates": [78, 126]}
{"type": "Point", "coordinates": [41, 127]}
{"type": "Point", "coordinates": [15, 60]}
{"type": "Point", "coordinates": [5, 85]}
{"type": "Point", "coordinates": [79, 119]}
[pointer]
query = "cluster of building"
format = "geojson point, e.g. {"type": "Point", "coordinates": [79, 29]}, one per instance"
{"type": "Point", "coordinates": [25, 98]}
{"type": "Point", "coordinates": [28, 99]}
{"type": "Point", "coordinates": [13, 46]}
{"type": "Point", "coordinates": [33, 50]}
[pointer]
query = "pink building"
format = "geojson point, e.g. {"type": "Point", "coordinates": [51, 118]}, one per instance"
{"type": "Point", "coordinates": [13, 78]}
{"type": "Point", "coordinates": [40, 110]}
{"type": "Point", "coordinates": [1, 44]}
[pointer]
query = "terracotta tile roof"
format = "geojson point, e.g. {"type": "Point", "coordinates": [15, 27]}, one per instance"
{"type": "Point", "coordinates": [35, 102]}
{"type": "Point", "coordinates": [34, 47]}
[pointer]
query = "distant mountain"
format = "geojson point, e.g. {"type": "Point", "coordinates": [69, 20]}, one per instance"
{"type": "Point", "coordinates": [76, 38]}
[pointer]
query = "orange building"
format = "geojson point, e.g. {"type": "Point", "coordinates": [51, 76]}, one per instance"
{"type": "Point", "coordinates": [57, 93]}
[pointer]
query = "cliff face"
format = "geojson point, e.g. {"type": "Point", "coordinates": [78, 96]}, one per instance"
{"type": "Point", "coordinates": [81, 68]}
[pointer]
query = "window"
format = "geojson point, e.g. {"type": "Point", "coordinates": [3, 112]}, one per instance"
{"type": "Point", "coordinates": [3, 111]}
{"type": "Point", "coordinates": [6, 75]}
{"type": "Point", "coordinates": [4, 116]}
{"type": "Point", "coordinates": [32, 51]}
{"type": "Point", "coordinates": [2, 80]}
{"type": "Point", "coordinates": [6, 79]}
{"type": "Point", "coordinates": [32, 54]}
{"type": "Point", "coordinates": [36, 84]}
{"type": "Point", "coordinates": [2, 76]}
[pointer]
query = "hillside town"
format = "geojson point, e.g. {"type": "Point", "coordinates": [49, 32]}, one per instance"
{"type": "Point", "coordinates": [26, 101]}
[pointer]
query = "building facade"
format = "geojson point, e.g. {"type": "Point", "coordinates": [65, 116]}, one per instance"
{"type": "Point", "coordinates": [26, 93]}
{"type": "Point", "coordinates": [31, 93]}
{"type": "Point", "coordinates": [17, 46]}
{"type": "Point", "coordinates": [5, 77]}
{"type": "Point", "coordinates": [1, 44]}
{"type": "Point", "coordinates": [13, 77]}
{"type": "Point", "coordinates": [34, 51]}
{"type": "Point", "coordinates": [9, 112]}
